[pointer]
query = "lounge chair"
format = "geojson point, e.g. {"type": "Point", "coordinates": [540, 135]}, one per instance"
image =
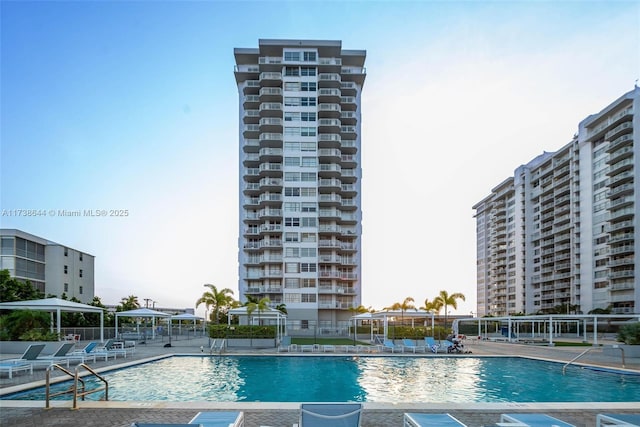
{"type": "Point", "coordinates": [330, 415]}
{"type": "Point", "coordinates": [412, 419]}
{"type": "Point", "coordinates": [219, 419]}
{"type": "Point", "coordinates": [531, 420]}
{"type": "Point", "coordinates": [432, 345]}
{"type": "Point", "coordinates": [61, 355]}
{"type": "Point", "coordinates": [31, 354]}
{"type": "Point", "coordinates": [390, 346]}
{"type": "Point", "coordinates": [618, 420]}
{"type": "Point", "coordinates": [285, 343]}
{"type": "Point", "coordinates": [17, 366]}
{"type": "Point", "coordinates": [411, 345]}
{"type": "Point", "coordinates": [90, 351]}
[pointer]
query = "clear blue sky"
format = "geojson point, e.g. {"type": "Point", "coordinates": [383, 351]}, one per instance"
{"type": "Point", "coordinates": [133, 105]}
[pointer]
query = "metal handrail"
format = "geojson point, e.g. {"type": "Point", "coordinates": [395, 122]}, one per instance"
{"type": "Point", "coordinates": [48, 394]}
{"type": "Point", "coordinates": [587, 351]}
{"type": "Point", "coordinates": [85, 392]}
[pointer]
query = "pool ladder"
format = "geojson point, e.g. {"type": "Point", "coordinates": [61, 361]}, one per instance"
{"type": "Point", "coordinates": [587, 351]}
{"type": "Point", "coordinates": [218, 345]}
{"type": "Point", "coordinates": [82, 391]}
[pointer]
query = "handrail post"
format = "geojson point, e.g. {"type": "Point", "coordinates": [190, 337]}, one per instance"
{"type": "Point", "coordinates": [46, 390]}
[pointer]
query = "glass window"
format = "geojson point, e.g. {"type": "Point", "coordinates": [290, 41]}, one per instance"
{"type": "Point", "coordinates": [292, 71]}
{"type": "Point", "coordinates": [309, 56]}
{"type": "Point", "coordinates": [292, 56]}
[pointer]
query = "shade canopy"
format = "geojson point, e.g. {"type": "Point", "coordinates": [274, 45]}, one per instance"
{"type": "Point", "coordinates": [186, 316]}
{"type": "Point", "coordinates": [142, 312]}
{"type": "Point", "coordinates": [56, 305]}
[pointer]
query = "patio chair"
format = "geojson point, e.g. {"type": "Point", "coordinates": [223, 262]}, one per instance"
{"type": "Point", "coordinates": [389, 345]}
{"type": "Point", "coordinates": [30, 355]}
{"type": "Point", "coordinates": [330, 415]}
{"type": "Point", "coordinates": [17, 366]}
{"type": "Point", "coordinates": [430, 420]}
{"type": "Point", "coordinates": [531, 420]}
{"type": "Point", "coordinates": [89, 351]}
{"type": "Point", "coordinates": [432, 345]}
{"type": "Point", "coordinates": [411, 345]}
{"type": "Point", "coordinates": [219, 419]}
{"type": "Point", "coordinates": [285, 342]}
{"type": "Point", "coordinates": [618, 420]}
{"type": "Point", "coordinates": [61, 355]}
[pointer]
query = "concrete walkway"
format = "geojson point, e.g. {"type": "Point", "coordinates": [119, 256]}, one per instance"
{"type": "Point", "coordinates": [122, 414]}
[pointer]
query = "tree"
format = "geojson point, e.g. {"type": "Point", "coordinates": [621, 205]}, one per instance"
{"type": "Point", "coordinates": [218, 300]}
{"type": "Point", "coordinates": [262, 305]}
{"type": "Point", "coordinates": [445, 300]}
{"type": "Point", "coordinates": [128, 303]}
{"type": "Point", "coordinates": [405, 305]}
{"type": "Point", "coordinates": [282, 308]}
{"type": "Point", "coordinates": [432, 306]}
{"type": "Point", "coordinates": [16, 290]}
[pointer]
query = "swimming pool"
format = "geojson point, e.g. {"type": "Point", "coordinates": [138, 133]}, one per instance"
{"type": "Point", "coordinates": [363, 379]}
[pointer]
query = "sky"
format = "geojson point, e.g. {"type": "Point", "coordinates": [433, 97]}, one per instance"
{"type": "Point", "coordinates": [133, 106]}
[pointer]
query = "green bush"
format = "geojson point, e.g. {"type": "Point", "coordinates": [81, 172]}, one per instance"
{"type": "Point", "coordinates": [242, 331]}
{"type": "Point", "coordinates": [39, 335]}
{"type": "Point", "coordinates": [629, 334]}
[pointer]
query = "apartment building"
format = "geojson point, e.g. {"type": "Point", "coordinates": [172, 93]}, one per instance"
{"type": "Point", "coordinates": [560, 233]}
{"type": "Point", "coordinates": [300, 178]}
{"type": "Point", "coordinates": [53, 269]}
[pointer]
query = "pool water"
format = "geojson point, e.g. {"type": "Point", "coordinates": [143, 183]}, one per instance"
{"type": "Point", "coordinates": [364, 379]}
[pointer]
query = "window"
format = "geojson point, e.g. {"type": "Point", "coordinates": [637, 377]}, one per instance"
{"type": "Point", "coordinates": [66, 252]}
{"type": "Point", "coordinates": [307, 252]}
{"type": "Point", "coordinates": [292, 101]}
{"type": "Point", "coordinates": [292, 222]}
{"type": "Point", "coordinates": [307, 116]}
{"type": "Point", "coordinates": [309, 57]}
{"type": "Point", "coordinates": [292, 71]}
{"type": "Point", "coordinates": [308, 86]}
{"type": "Point", "coordinates": [308, 146]}
{"type": "Point", "coordinates": [292, 191]}
{"type": "Point", "coordinates": [291, 131]}
{"type": "Point", "coordinates": [292, 161]}
{"type": "Point", "coordinates": [307, 71]}
{"type": "Point", "coordinates": [66, 287]}
{"type": "Point", "coordinates": [308, 297]}
{"type": "Point", "coordinates": [291, 207]}
{"type": "Point", "coordinates": [291, 116]}
{"type": "Point", "coordinates": [80, 256]}
{"type": "Point", "coordinates": [292, 86]}
{"type": "Point", "coordinates": [80, 272]}
{"type": "Point", "coordinates": [309, 162]}
{"type": "Point", "coordinates": [66, 269]}
{"type": "Point", "coordinates": [292, 56]}
{"type": "Point", "coordinates": [308, 101]}
{"type": "Point", "coordinates": [308, 207]}
{"type": "Point", "coordinates": [291, 237]}
{"type": "Point", "coordinates": [291, 146]}
{"type": "Point", "coordinates": [292, 298]}
{"type": "Point", "coordinates": [308, 192]}
{"type": "Point", "coordinates": [80, 290]}
{"type": "Point", "coordinates": [291, 267]}
{"type": "Point", "coordinates": [292, 252]}
{"type": "Point", "coordinates": [307, 131]}
{"type": "Point", "coordinates": [308, 237]}
{"type": "Point", "coordinates": [309, 176]}
{"type": "Point", "coordinates": [291, 283]}
{"type": "Point", "coordinates": [292, 176]}
{"type": "Point", "coordinates": [308, 267]}
{"type": "Point", "coordinates": [308, 283]}
{"type": "Point", "coordinates": [308, 222]}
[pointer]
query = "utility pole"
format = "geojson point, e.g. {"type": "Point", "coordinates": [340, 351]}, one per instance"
{"type": "Point", "coordinates": [146, 302]}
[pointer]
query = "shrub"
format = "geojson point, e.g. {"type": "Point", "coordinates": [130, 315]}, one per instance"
{"type": "Point", "coordinates": [629, 334]}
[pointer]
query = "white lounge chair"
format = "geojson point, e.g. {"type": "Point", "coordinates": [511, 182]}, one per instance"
{"type": "Point", "coordinates": [16, 366]}
{"type": "Point", "coordinates": [219, 419]}
{"type": "Point", "coordinates": [618, 420]}
{"type": "Point", "coordinates": [412, 419]}
{"type": "Point", "coordinates": [330, 415]}
{"type": "Point", "coordinates": [285, 342]}
{"type": "Point", "coordinates": [531, 420]}
{"type": "Point", "coordinates": [389, 345]}
{"type": "Point", "coordinates": [432, 345]}
{"type": "Point", "coordinates": [411, 345]}
{"type": "Point", "coordinates": [61, 355]}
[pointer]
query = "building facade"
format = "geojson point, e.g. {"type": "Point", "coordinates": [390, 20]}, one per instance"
{"type": "Point", "coordinates": [52, 268]}
{"type": "Point", "coordinates": [560, 233]}
{"type": "Point", "coordinates": [300, 178]}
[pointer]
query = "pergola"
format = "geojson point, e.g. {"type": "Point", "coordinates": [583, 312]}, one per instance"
{"type": "Point", "coordinates": [386, 316]}
{"type": "Point", "coordinates": [185, 316]}
{"type": "Point", "coordinates": [56, 305]}
{"type": "Point", "coordinates": [142, 313]}
{"type": "Point", "coordinates": [268, 314]}
{"type": "Point", "coordinates": [544, 325]}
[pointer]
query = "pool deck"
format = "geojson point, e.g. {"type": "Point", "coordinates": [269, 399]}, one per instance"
{"type": "Point", "coordinates": [122, 414]}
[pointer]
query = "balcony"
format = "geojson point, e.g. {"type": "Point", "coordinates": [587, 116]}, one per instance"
{"type": "Point", "coordinates": [348, 190]}
{"type": "Point", "coordinates": [621, 141]}
{"type": "Point", "coordinates": [354, 74]}
{"type": "Point", "coordinates": [616, 131]}
{"type": "Point", "coordinates": [621, 201]}
{"type": "Point", "coordinates": [329, 199]}
{"type": "Point", "coordinates": [329, 95]}
{"type": "Point", "coordinates": [348, 103]}
{"type": "Point", "coordinates": [328, 170]}
{"type": "Point", "coordinates": [269, 168]}
{"type": "Point", "coordinates": [349, 117]}
{"type": "Point", "coordinates": [271, 109]}
{"type": "Point", "coordinates": [271, 136]}
{"type": "Point", "coordinates": [329, 184]}
{"type": "Point", "coordinates": [349, 88]}
{"type": "Point", "coordinates": [271, 78]}
{"type": "Point", "coordinates": [329, 137]}
{"type": "Point", "coordinates": [621, 166]}
{"type": "Point", "coordinates": [329, 80]}
{"type": "Point", "coordinates": [622, 214]}
{"type": "Point", "coordinates": [250, 101]}
{"type": "Point", "coordinates": [329, 214]}
{"type": "Point", "coordinates": [268, 94]}
{"type": "Point", "coordinates": [329, 110]}
{"type": "Point", "coordinates": [329, 154]}
{"type": "Point", "coordinates": [270, 184]}
{"type": "Point", "coordinates": [250, 160]}
{"type": "Point", "coordinates": [348, 161]}
{"type": "Point", "coordinates": [269, 154]}
{"type": "Point", "coordinates": [270, 198]}
{"type": "Point", "coordinates": [621, 225]}
{"type": "Point", "coordinates": [622, 237]}
{"type": "Point", "coordinates": [271, 124]}
{"type": "Point", "coordinates": [620, 154]}
{"type": "Point", "coordinates": [250, 131]}
{"type": "Point", "coordinates": [271, 228]}
{"type": "Point", "coordinates": [329, 125]}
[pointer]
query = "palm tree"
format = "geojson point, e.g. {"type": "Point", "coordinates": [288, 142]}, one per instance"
{"type": "Point", "coordinates": [262, 305]}
{"type": "Point", "coordinates": [432, 306]}
{"type": "Point", "coordinates": [405, 305]}
{"type": "Point", "coordinates": [129, 303]}
{"type": "Point", "coordinates": [218, 299]}
{"type": "Point", "coordinates": [446, 300]}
